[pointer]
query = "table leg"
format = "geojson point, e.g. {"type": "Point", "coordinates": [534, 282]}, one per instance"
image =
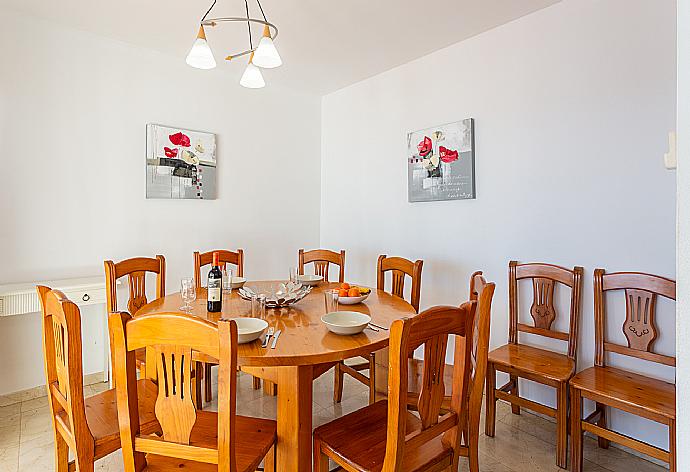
{"type": "Point", "coordinates": [294, 445]}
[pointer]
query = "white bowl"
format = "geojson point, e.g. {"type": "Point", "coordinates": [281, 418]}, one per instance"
{"type": "Point", "coordinates": [310, 280]}
{"type": "Point", "coordinates": [249, 329]}
{"type": "Point", "coordinates": [346, 322]}
{"type": "Point", "coordinates": [352, 300]}
{"type": "Point", "coordinates": [237, 282]}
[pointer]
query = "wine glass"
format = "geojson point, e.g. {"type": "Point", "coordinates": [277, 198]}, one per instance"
{"type": "Point", "coordinates": [188, 293]}
{"type": "Point", "coordinates": [227, 279]}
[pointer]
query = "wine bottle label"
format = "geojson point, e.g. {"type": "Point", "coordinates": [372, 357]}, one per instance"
{"type": "Point", "coordinates": [214, 290]}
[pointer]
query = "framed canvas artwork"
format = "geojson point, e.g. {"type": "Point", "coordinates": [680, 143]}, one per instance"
{"type": "Point", "coordinates": [180, 163]}
{"type": "Point", "coordinates": [440, 162]}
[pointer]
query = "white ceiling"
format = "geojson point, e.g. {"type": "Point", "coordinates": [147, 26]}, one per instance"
{"type": "Point", "coordinates": [325, 44]}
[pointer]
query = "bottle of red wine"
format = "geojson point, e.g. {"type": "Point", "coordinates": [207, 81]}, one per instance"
{"type": "Point", "coordinates": [215, 286]}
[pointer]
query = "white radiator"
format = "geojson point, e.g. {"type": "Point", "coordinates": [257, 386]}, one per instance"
{"type": "Point", "coordinates": [19, 299]}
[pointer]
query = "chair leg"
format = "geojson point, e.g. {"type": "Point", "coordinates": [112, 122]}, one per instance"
{"type": "Point", "coordinates": [320, 459]}
{"type": "Point", "coordinates": [61, 454]}
{"type": "Point", "coordinates": [603, 442]}
{"type": "Point", "coordinates": [270, 460]}
{"type": "Point", "coordinates": [207, 383]}
{"type": "Point", "coordinates": [490, 420]}
{"type": "Point", "coordinates": [196, 393]}
{"type": "Point", "coordinates": [84, 461]}
{"type": "Point", "coordinates": [575, 430]}
{"type": "Point", "coordinates": [515, 391]}
{"type": "Point", "coordinates": [372, 378]}
{"type": "Point", "coordinates": [562, 426]}
{"type": "Point", "coordinates": [270, 388]}
{"type": "Point", "coordinates": [473, 447]}
{"type": "Point", "coordinates": [338, 384]}
{"type": "Point", "coordinates": [672, 445]}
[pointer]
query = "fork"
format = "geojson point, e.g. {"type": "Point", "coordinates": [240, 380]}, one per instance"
{"type": "Point", "coordinates": [269, 333]}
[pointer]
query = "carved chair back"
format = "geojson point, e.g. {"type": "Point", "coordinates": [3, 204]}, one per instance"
{"type": "Point", "coordinates": [400, 267]}
{"type": "Point", "coordinates": [63, 367]}
{"type": "Point", "coordinates": [224, 257]}
{"type": "Point", "coordinates": [135, 270]}
{"type": "Point", "coordinates": [544, 278]}
{"type": "Point", "coordinates": [173, 337]}
{"type": "Point", "coordinates": [640, 330]}
{"type": "Point", "coordinates": [322, 258]}
{"type": "Point", "coordinates": [431, 329]}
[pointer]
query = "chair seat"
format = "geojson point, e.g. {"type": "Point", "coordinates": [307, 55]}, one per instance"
{"type": "Point", "coordinates": [359, 438]}
{"type": "Point", "coordinates": [628, 391]}
{"type": "Point", "coordinates": [101, 416]}
{"type": "Point", "coordinates": [534, 361]}
{"type": "Point", "coordinates": [254, 436]}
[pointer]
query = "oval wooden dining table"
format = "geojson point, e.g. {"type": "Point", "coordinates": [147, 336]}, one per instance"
{"type": "Point", "coordinates": [304, 351]}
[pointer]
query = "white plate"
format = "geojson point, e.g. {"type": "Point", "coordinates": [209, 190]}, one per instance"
{"type": "Point", "coordinates": [352, 300]}
{"type": "Point", "coordinates": [346, 322]}
{"type": "Point", "coordinates": [237, 282]}
{"type": "Point", "coordinates": [249, 329]}
{"type": "Point", "coordinates": [310, 280]}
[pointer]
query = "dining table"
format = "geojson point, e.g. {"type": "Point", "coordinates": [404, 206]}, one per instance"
{"type": "Point", "coordinates": [305, 350]}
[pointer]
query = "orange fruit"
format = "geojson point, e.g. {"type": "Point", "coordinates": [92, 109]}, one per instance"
{"type": "Point", "coordinates": [353, 292]}
{"type": "Point", "coordinates": [345, 286]}
{"type": "Point", "coordinates": [342, 292]}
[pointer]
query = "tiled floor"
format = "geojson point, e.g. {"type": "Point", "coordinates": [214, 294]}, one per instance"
{"type": "Point", "coordinates": [523, 443]}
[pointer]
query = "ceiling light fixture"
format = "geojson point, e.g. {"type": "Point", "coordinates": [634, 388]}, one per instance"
{"type": "Point", "coordinates": [264, 55]}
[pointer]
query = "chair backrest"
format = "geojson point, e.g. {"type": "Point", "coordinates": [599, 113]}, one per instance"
{"type": "Point", "coordinates": [224, 257]}
{"type": "Point", "coordinates": [135, 269]}
{"type": "Point", "coordinates": [639, 327]}
{"type": "Point", "coordinates": [62, 361]}
{"type": "Point", "coordinates": [431, 329]}
{"type": "Point", "coordinates": [544, 279]}
{"type": "Point", "coordinates": [399, 267]}
{"type": "Point", "coordinates": [322, 258]}
{"type": "Point", "coordinates": [173, 337]}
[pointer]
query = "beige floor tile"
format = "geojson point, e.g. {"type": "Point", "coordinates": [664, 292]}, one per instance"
{"type": "Point", "coordinates": [9, 433]}
{"type": "Point", "coordinates": [35, 423]}
{"type": "Point", "coordinates": [35, 404]}
{"type": "Point", "coordinates": [36, 454]}
{"type": "Point", "coordinates": [9, 458]}
{"type": "Point", "coordinates": [10, 414]}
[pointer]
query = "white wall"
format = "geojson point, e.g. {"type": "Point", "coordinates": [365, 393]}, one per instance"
{"type": "Point", "coordinates": [572, 106]}
{"type": "Point", "coordinates": [683, 312]}
{"type": "Point", "coordinates": [73, 115]}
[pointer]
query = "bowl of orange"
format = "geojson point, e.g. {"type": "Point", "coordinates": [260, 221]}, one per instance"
{"type": "Point", "coordinates": [352, 294]}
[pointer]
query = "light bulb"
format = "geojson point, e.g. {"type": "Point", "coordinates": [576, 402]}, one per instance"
{"type": "Point", "coordinates": [252, 77]}
{"type": "Point", "coordinates": [200, 56]}
{"type": "Point", "coordinates": [266, 54]}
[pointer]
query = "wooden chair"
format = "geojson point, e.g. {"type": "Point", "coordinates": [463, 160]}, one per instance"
{"type": "Point", "coordinates": [322, 258]}
{"type": "Point", "coordinates": [191, 439]}
{"type": "Point", "coordinates": [88, 426]}
{"type": "Point", "coordinates": [386, 436]}
{"type": "Point", "coordinates": [399, 268]}
{"type": "Point", "coordinates": [612, 387]}
{"type": "Point", "coordinates": [538, 365]}
{"type": "Point", "coordinates": [416, 366]}
{"type": "Point", "coordinates": [135, 270]}
{"type": "Point", "coordinates": [225, 257]}
{"type": "Point", "coordinates": [203, 259]}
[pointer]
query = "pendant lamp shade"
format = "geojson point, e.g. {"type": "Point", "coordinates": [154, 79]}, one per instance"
{"type": "Point", "coordinates": [200, 56]}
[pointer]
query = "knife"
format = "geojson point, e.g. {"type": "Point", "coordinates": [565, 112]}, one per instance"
{"type": "Point", "coordinates": [275, 339]}
{"type": "Point", "coordinates": [268, 337]}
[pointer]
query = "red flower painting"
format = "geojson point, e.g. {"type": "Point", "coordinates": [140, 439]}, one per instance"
{"type": "Point", "coordinates": [447, 155]}
{"type": "Point", "coordinates": [425, 147]}
{"type": "Point", "coordinates": [170, 152]}
{"type": "Point", "coordinates": [180, 139]}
